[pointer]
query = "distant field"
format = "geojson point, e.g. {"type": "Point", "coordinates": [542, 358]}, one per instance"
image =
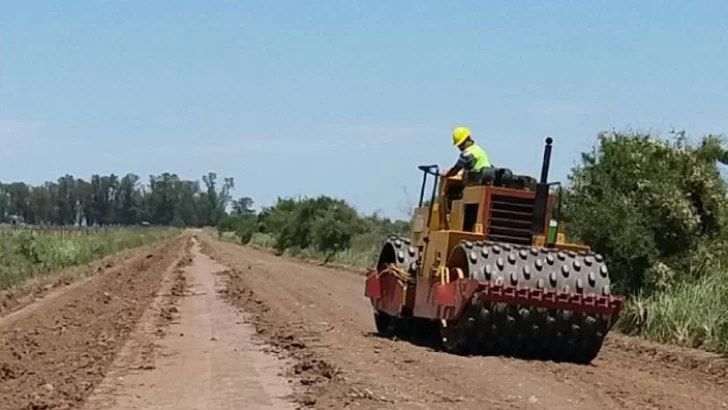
{"type": "Point", "coordinates": [31, 251]}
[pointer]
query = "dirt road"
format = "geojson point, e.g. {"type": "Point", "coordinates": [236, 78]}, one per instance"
{"type": "Point", "coordinates": [54, 351]}
{"type": "Point", "coordinates": [320, 315]}
{"type": "Point", "coordinates": [152, 332]}
{"type": "Point", "coordinates": [212, 325]}
{"type": "Point", "coordinates": [208, 358]}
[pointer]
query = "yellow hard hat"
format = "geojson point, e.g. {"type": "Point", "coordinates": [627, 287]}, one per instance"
{"type": "Point", "coordinates": [459, 135]}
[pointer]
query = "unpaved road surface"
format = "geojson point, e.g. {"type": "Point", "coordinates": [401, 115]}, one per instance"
{"type": "Point", "coordinates": [320, 317]}
{"type": "Point", "coordinates": [209, 359]}
{"type": "Point", "coordinates": [201, 324]}
{"type": "Point", "coordinates": [151, 333]}
{"type": "Point", "coordinates": [54, 351]}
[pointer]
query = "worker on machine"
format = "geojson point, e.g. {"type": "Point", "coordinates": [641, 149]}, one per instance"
{"type": "Point", "coordinates": [472, 159]}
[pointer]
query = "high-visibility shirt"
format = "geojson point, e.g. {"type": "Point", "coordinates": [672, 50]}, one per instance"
{"type": "Point", "coordinates": [473, 158]}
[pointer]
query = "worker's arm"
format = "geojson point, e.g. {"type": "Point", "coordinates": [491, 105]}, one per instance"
{"type": "Point", "coordinates": [464, 161]}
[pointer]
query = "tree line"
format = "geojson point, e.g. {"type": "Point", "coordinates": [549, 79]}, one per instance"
{"type": "Point", "coordinates": [101, 200]}
{"type": "Point", "coordinates": [324, 224]}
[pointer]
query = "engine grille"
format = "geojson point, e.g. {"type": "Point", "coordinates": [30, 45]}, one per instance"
{"type": "Point", "coordinates": [509, 219]}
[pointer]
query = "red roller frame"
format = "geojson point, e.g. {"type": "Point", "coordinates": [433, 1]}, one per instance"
{"type": "Point", "coordinates": [451, 298]}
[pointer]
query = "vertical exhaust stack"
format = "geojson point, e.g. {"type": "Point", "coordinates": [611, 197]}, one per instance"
{"type": "Point", "coordinates": [538, 223]}
{"type": "Point", "coordinates": [546, 161]}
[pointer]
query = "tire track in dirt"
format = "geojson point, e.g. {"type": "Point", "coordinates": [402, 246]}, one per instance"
{"type": "Point", "coordinates": [53, 352]}
{"type": "Point", "coordinates": [141, 350]}
{"type": "Point", "coordinates": [320, 318]}
{"type": "Point", "coordinates": [207, 360]}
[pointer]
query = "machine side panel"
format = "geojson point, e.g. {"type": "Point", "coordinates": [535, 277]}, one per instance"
{"type": "Point", "coordinates": [437, 250]}
{"type": "Point", "coordinates": [476, 195]}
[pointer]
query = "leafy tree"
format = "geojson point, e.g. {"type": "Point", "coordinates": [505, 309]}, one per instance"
{"type": "Point", "coordinates": [656, 208]}
{"type": "Point", "coordinates": [333, 228]}
{"type": "Point", "coordinates": [243, 206]}
{"type": "Point", "coordinates": [322, 223]}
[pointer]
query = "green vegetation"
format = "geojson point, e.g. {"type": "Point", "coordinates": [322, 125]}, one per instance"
{"type": "Point", "coordinates": [27, 253]}
{"type": "Point", "coordinates": [320, 228]}
{"type": "Point", "coordinates": [657, 209]}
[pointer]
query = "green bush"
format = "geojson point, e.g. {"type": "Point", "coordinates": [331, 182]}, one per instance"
{"type": "Point", "coordinates": [657, 209]}
{"type": "Point", "coordinates": [326, 228]}
{"type": "Point", "coordinates": [245, 229]}
{"type": "Point", "coordinates": [653, 207]}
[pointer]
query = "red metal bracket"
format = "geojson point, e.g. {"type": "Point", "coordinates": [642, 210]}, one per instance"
{"type": "Point", "coordinates": [591, 303]}
{"type": "Point", "coordinates": [451, 298]}
{"type": "Point", "coordinates": [373, 287]}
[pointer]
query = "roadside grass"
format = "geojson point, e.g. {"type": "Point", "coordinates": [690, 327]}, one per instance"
{"type": "Point", "coordinates": [688, 314]}
{"type": "Point", "coordinates": [693, 315]}
{"type": "Point", "coordinates": [27, 253]}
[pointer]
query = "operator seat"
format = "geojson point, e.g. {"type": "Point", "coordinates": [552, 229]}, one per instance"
{"type": "Point", "coordinates": [488, 176]}
{"type": "Point", "coordinates": [499, 177]}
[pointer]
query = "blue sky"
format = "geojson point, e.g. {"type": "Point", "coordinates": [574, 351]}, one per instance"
{"type": "Point", "coordinates": [344, 98]}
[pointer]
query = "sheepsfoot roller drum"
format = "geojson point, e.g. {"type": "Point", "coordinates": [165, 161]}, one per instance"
{"type": "Point", "coordinates": [388, 285]}
{"type": "Point", "coordinates": [525, 301]}
{"type": "Point", "coordinates": [487, 270]}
